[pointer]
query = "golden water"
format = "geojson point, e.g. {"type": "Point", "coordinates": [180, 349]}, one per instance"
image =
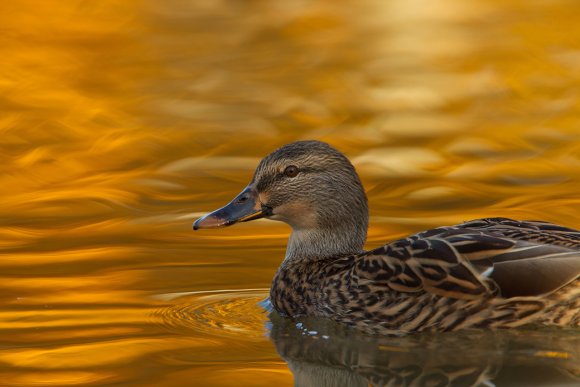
{"type": "Point", "coordinates": [122, 121]}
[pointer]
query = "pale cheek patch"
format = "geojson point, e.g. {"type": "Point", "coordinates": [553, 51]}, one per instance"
{"type": "Point", "coordinates": [262, 199]}
{"type": "Point", "coordinates": [299, 215]}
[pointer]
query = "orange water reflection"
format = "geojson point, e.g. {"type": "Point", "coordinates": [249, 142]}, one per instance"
{"type": "Point", "coordinates": [123, 121]}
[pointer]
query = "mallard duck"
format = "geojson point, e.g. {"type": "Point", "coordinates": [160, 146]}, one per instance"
{"type": "Point", "coordinates": [485, 273]}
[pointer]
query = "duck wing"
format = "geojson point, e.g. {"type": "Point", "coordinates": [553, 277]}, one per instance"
{"type": "Point", "coordinates": [536, 231]}
{"type": "Point", "coordinates": [481, 258]}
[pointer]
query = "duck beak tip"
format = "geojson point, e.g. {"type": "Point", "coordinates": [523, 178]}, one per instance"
{"type": "Point", "coordinates": [209, 221]}
{"type": "Point", "coordinates": [243, 208]}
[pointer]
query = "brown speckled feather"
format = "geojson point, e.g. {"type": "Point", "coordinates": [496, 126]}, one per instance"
{"type": "Point", "coordinates": [483, 273]}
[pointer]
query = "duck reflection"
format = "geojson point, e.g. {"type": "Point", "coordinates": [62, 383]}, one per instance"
{"type": "Point", "coordinates": [321, 353]}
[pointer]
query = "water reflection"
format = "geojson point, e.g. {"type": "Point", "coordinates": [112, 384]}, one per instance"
{"type": "Point", "coordinates": [319, 353]}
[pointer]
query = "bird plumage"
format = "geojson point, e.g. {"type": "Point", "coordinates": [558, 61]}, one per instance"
{"type": "Point", "coordinates": [485, 273]}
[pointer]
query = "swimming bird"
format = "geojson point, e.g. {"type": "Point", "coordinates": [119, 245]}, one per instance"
{"type": "Point", "coordinates": [485, 273]}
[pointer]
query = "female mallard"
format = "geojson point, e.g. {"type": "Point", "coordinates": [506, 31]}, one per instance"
{"type": "Point", "coordinates": [486, 273]}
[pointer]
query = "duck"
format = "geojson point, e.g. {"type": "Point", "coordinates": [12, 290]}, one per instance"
{"type": "Point", "coordinates": [489, 273]}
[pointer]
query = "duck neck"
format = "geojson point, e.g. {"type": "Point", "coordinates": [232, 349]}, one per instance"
{"type": "Point", "coordinates": [310, 245]}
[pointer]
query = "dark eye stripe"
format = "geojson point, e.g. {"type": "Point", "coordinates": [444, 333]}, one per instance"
{"type": "Point", "coordinates": [304, 170]}
{"type": "Point", "coordinates": [268, 180]}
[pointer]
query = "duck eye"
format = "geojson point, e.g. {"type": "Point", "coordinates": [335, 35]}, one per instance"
{"type": "Point", "coordinates": [291, 171]}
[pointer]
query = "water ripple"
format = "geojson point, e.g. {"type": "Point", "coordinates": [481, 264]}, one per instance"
{"type": "Point", "coordinates": [219, 313]}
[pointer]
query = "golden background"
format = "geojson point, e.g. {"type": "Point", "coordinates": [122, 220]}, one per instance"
{"type": "Point", "coordinates": [122, 121]}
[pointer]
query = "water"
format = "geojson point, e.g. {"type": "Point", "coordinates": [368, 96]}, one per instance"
{"type": "Point", "coordinates": [123, 121]}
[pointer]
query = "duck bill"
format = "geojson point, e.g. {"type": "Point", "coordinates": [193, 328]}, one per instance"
{"type": "Point", "coordinates": [243, 208]}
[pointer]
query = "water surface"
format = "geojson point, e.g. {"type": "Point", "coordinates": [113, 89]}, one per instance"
{"type": "Point", "coordinates": [122, 121]}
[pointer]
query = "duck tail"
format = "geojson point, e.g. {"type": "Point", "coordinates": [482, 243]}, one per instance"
{"type": "Point", "coordinates": [565, 308]}
{"type": "Point", "coordinates": [560, 308]}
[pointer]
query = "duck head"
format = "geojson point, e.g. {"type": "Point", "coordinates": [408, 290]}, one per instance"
{"type": "Point", "coordinates": [310, 186]}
